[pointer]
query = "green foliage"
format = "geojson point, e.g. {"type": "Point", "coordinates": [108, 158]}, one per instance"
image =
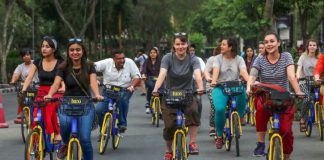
{"type": "Point", "coordinates": [198, 40]}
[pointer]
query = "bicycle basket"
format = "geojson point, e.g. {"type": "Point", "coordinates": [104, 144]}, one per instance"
{"type": "Point", "coordinates": [75, 106]}
{"type": "Point", "coordinates": [28, 97]}
{"type": "Point", "coordinates": [113, 92]}
{"type": "Point", "coordinates": [231, 88]}
{"type": "Point", "coordinates": [278, 101]}
{"type": "Point", "coordinates": [178, 97]}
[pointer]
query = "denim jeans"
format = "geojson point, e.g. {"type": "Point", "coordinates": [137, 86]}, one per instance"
{"type": "Point", "coordinates": [123, 104]}
{"type": "Point", "coordinates": [149, 89]}
{"type": "Point", "coordinates": [84, 131]}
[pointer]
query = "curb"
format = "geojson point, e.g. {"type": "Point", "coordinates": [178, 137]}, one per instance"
{"type": "Point", "coordinates": [7, 90]}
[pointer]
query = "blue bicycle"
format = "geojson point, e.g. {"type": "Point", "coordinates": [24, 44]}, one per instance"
{"type": "Point", "coordinates": [109, 126]}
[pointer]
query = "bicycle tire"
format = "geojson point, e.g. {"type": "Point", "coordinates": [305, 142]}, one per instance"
{"type": "Point", "coordinates": [25, 124]}
{"type": "Point", "coordinates": [320, 121]}
{"type": "Point", "coordinates": [276, 153]}
{"type": "Point", "coordinates": [115, 137]}
{"type": "Point", "coordinates": [236, 133]}
{"type": "Point", "coordinates": [227, 140]}
{"type": "Point", "coordinates": [105, 135]}
{"type": "Point", "coordinates": [309, 124]}
{"type": "Point", "coordinates": [252, 114]}
{"type": "Point", "coordinates": [75, 154]}
{"type": "Point", "coordinates": [157, 115]}
{"type": "Point", "coordinates": [179, 147]}
{"type": "Point", "coordinates": [32, 148]}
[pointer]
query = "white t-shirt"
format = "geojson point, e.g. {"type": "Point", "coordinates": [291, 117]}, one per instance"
{"type": "Point", "coordinates": [22, 70]}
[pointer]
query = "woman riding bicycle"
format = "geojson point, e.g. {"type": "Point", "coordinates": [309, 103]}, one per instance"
{"type": "Point", "coordinates": [306, 65]}
{"type": "Point", "coordinates": [78, 75]}
{"type": "Point", "coordinates": [150, 71]}
{"type": "Point", "coordinates": [177, 68]}
{"type": "Point", "coordinates": [46, 67]}
{"type": "Point", "coordinates": [228, 66]}
{"type": "Point", "coordinates": [274, 68]}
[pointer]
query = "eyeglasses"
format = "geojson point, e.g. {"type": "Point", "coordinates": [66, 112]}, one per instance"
{"type": "Point", "coordinates": [180, 34]}
{"type": "Point", "coordinates": [75, 40]}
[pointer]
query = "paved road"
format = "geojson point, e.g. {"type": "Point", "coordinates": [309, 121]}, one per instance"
{"type": "Point", "coordinates": [144, 142]}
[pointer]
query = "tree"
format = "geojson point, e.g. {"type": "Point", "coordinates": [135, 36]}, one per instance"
{"type": "Point", "coordinates": [5, 39]}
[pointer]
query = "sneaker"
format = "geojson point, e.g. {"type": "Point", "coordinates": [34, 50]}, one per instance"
{"type": "Point", "coordinates": [62, 152]}
{"type": "Point", "coordinates": [212, 133]}
{"type": "Point", "coordinates": [193, 148]}
{"type": "Point", "coordinates": [17, 120]}
{"type": "Point", "coordinates": [259, 150]}
{"type": "Point", "coordinates": [148, 111]}
{"type": "Point", "coordinates": [122, 129]}
{"type": "Point", "coordinates": [168, 156]}
{"type": "Point", "coordinates": [219, 143]}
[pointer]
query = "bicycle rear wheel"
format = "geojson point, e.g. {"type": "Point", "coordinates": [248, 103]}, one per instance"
{"type": "Point", "coordinates": [276, 150]}
{"type": "Point", "coordinates": [157, 115]}
{"type": "Point", "coordinates": [34, 151]}
{"type": "Point", "coordinates": [115, 136]}
{"type": "Point", "coordinates": [105, 134]}
{"type": "Point", "coordinates": [74, 151]}
{"type": "Point", "coordinates": [236, 133]}
{"type": "Point", "coordinates": [320, 121]}
{"type": "Point", "coordinates": [25, 123]}
{"type": "Point", "coordinates": [309, 123]}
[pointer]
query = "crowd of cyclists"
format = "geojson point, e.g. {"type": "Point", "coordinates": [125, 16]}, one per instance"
{"type": "Point", "coordinates": [181, 69]}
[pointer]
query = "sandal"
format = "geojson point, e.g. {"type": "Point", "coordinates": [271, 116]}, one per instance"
{"type": "Point", "coordinates": [57, 139]}
{"type": "Point", "coordinates": [302, 124]}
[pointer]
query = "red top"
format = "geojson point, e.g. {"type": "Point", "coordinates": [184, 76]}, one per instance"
{"type": "Point", "coordinates": [319, 68]}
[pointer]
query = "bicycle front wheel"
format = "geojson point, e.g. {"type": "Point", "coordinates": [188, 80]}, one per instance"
{"type": "Point", "coordinates": [115, 137]}
{"type": "Point", "coordinates": [157, 115]}
{"type": "Point", "coordinates": [74, 151]}
{"type": "Point", "coordinates": [180, 150]}
{"type": "Point", "coordinates": [34, 146]}
{"type": "Point", "coordinates": [276, 150]}
{"type": "Point", "coordinates": [25, 123]}
{"type": "Point", "coordinates": [105, 134]}
{"type": "Point", "coordinates": [320, 121]}
{"type": "Point", "coordinates": [309, 123]}
{"type": "Point", "coordinates": [236, 133]}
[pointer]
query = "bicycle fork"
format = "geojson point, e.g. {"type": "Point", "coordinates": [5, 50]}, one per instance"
{"type": "Point", "coordinates": [276, 128]}
{"type": "Point", "coordinates": [181, 129]}
{"type": "Point", "coordinates": [74, 139]}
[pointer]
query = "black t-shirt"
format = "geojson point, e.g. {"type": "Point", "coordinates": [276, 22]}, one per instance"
{"type": "Point", "coordinates": [46, 78]}
{"type": "Point", "coordinates": [71, 86]}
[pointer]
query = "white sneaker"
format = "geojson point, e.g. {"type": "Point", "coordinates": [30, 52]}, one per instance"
{"type": "Point", "coordinates": [148, 111]}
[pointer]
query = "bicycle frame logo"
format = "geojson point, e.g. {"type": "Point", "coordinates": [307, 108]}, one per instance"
{"type": "Point", "coordinates": [75, 101]}
{"type": "Point", "coordinates": [30, 94]}
{"type": "Point", "coordinates": [116, 89]}
{"type": "Point", "coordinates": [177, 93]}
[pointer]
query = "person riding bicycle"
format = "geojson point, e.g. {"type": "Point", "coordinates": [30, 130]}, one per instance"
{"type": "Point", "coordinates": [150, 71]}
{"type": "Point", "coordinates": [119, 72]}
{"type": "Point", "coordinates": [79, 75]}
{"type": "Point", "coordinates": [228, 66]}
{"type": "Point", "coordinates": [177, 69]}
{"type": "Point", "coordinates": [21, 73]}
{"type": "Point", "coordinates": [306, 65]}
{"type": "Point", "coordinates": [46, 67]}
{"type": "Point", "coordinates": [274, 68]}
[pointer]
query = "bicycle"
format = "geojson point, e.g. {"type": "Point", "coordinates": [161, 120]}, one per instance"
{"type": "Point", "coordinates": [156, 111]}
{"type": "Point", "coordinates": [250, 112]}
{"type": "Point", "coordinates": [315, 115]}
{"type": "Point", "coordinates": [74, 106]}
{"type": "Point", "coordinates": [38, 141]}
{"type": "Point", "coordinates": [276, 102]}
{"type": "Point", "coordinates": [233, 128]}
{"type": "Point", "coordinates": [110, 121]}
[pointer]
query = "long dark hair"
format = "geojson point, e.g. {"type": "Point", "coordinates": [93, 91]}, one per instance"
{"type": "Point", "coordinates": [54, 45]}
{"type": "Point", "coordinates": [149, 60]}
{"type": "Point", "coordinates": [83, 77]}
{"type": "Point", "coordinates": [245, 55]}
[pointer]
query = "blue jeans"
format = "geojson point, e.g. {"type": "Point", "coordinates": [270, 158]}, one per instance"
{"type": "Point", "coordinates": [84, 131]}
{"type": "Point", "coordinates": [123, 104]}
{"type": "Point", "coordinates": [149, 89]}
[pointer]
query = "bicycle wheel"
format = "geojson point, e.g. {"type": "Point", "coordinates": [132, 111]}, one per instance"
{"type": "Point", "coordinates": [180, 151]}
{"type": "Point", "coordinates": [320, 121]}
{"type": "Point", "coordinates": [236, 133]}
{"type": "Point", "coordinates": [157, 115]}
{"type": "Point", "coordinates": [74, 151]}
{"type": "Point", "coordinates": [252, 113]}
{"type": "Point", "coordinates": [276, 149]}
{"type": "Point", "coordinates": [309, 124]}
{"type": "Point", "coordinates": [115, 137]}
{"type": "Point", "coordinates": [33, 149]}
{"type": "Point", "coordinates": [105, 134]}
{"type": "Point", "coordinates": [25, 123]}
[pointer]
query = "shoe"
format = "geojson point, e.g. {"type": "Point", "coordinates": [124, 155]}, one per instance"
{"type": "Point", "coordinates": [219, 143]}
{"type": "Point", "coordinates": [193, 148]}
{"type": "Point", "coordinates": [57, 139]}
{"type": "Point", "coordinates": [259, 150]}
{"type": "Point", "coordinates": [17, 120]}
{"type": "Point", "coordinates": [62, 152]}
{"type": "Point", "coordinates": [148, 111]}
{"type": "Point", "coordinates": [168, 156]}
{"type": "Point", "coordinates": [212, 133]}
{"type": "Point", "coordinates": [243, 122]}
{"type": "Point", "coordinates": [122, 129]}
{"type": "Point", "coordinates": [302, 125]}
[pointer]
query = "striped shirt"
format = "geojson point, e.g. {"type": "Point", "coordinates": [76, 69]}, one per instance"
{"type": "Point", "coordinates": [274, 73]}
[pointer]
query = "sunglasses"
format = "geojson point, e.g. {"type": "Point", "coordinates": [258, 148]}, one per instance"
{"type": "Point", "coordinates": [75, 40]}
{"type": "Point", "coordinates": [180, 34]}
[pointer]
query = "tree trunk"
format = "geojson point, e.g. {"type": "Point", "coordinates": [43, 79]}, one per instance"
{"type": "Point", "coordinates": [268, 13]}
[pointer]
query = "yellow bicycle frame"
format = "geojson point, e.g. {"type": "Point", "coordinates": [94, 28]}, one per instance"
{"type": "Point", "coordinates": [103, 128]}
{"type": "Point", "coordinates": [315, 110]}
{"type": "Point", "coordinates": [271, 146]}
{"type": "Point", "coordinates": [184, 145]}
{"type": "Point", "coordinates": [27, 117]}
{"type": "Point", "coordinates": [232, 123]}
{"type": "Point", "coordinates": [69, 148]}
{"type": "Point", "coordinates": [155, 100]}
